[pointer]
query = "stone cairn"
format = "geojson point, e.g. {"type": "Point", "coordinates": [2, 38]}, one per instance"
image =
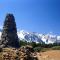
{"type": "Point", "coordinates": [9, 36]}
{"type": "Point", "coordinates": [23, 53]}
{"type": "Point", "coordinates": [9, 43]}
{"type": "Point", "coordinates": [26, 53]}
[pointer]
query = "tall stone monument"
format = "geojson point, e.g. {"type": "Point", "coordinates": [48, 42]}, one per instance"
{"type": "Point", "coordinates": [9, 36]}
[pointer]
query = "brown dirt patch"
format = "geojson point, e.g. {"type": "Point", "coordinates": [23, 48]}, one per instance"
{"type": "Point", "coordinates": [49, 55]}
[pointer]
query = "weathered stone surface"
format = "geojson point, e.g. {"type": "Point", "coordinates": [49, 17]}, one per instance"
{"type": "Point", "coordinates": [9, 36]}
{"type": "Point", "coordinates": [18, 54]}
{"type": "Point", "coordinates": [26, 54]}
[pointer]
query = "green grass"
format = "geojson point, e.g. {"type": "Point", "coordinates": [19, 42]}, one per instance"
{"type": "Point", "coordinates": [56, 48]}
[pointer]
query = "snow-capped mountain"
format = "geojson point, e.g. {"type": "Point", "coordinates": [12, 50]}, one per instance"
{"type": "Point", "coordinates": [36, 37]}
{"type": "Point", "coordinates": [29, 37]}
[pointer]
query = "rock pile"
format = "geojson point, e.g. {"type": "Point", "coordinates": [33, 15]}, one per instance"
{"type": "Point", "coordinates": [9, 44]}
{"type": "Point", "coordinates": [18, 54]}
{"type": "Point", "coordinates": [9, 36]}
{"type": "Point", "coordinates": [26, 54]}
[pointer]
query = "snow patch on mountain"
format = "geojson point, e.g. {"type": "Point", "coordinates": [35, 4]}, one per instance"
{"type": "Point", "coordinates": [37, 37]}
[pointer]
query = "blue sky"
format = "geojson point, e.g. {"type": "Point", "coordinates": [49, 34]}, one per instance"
{"type": "Point", "coordinates": [41, 16]}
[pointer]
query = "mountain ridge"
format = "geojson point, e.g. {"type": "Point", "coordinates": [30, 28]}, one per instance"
{"type": "Point", "coordinates": [37, 37]}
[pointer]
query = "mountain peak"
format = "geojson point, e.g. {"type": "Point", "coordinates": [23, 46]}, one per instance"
{"type": "Point", "coordinates": [36, 37]}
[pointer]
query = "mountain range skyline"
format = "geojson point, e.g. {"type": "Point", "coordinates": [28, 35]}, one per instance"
{"type": "Point", "coordinates": [37, 37]}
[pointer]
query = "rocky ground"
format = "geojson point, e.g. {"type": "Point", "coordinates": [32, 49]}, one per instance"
{"type": "Point", "coordinates": [27, 53]}
{"type": "Point", "coordinates": [23, 53]}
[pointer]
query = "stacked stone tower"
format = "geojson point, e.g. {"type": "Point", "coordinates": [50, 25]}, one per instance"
{"type": "Point", "coordinates": [9, 36]}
